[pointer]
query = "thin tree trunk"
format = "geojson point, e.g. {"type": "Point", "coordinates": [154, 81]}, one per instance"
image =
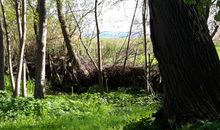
{"type": "Point", "coordinates": [9, 58]}
{"type": "Point", "coordinates": [144, 8]}
{"type": "Point", "coordinates": [39, 89]}
{"type": "Point", "coordinates": [135, 57]}
{"type": "Point", "coordinates": [215, 31]}
{"type": "Point", "coordinates": [17, 6]}
{"type": "Point", "coordinates": [188, 61]}
{"type": "Point", "coordinates": [22, 47]}
{"type": "Point", "coordinates": [100, 68]}
{"type": "Point", "coordinates": [34, 11]}
{"type": "Point", "coordinates": [70, 50]}
{"type": "Point", "coordinates": [2, 59]}
{"type": "Point", "coordinates": [24, 88]}
{"type": "Point", "coordinates": [129, 36]}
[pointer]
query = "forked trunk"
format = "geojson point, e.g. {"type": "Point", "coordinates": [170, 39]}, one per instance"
{"type": "Point", "coordinates": [22, 39]}
{"type": "Point", "coordinates": [187, 58]}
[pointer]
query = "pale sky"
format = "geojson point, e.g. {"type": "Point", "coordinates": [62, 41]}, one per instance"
{"type": "Point", "coordinates": [117, 18]}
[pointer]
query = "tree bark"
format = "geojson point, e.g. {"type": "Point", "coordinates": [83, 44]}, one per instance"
{"type": "Point", "coordinates": [39, 89]}
{"type": "Point", "coordinates": [9, 57]}
{"type": "Point", "coordinates": [24, 87]}
{"type": "Point", "coordinates": [22, 39]}
{"type": "Point", "coordinates": [2, 59]}
{"type": "Point", "coordinates": [78, 66]}
{"type": "Point", "coordinates": [144, 8]}
{"type": "Point", "coordinates": [99, 54]}
{"type": "Point", "coordinates": [187, 58]}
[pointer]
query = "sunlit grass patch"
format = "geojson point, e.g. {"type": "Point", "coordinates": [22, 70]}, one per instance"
{"type": "Point", "coordinates": [86, 111]}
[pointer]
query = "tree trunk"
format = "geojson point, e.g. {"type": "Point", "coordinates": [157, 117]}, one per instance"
{"type": "Point", "coordinates": [2, 59]}
{"type": "Point", "coordinates": [129, 36]}
{"type": "Point", "coordinates": [24, 87]}
{"type": "Point", "coordinates": [17, 8]}
{"type": "Point", "coordinates": [187, 58]}
{"type": "Point", "coordinates": [144, 8]}
{"type": "Point", "coordinates": [34, 11]}
{"type": "Point", "coordinates": [99, 54]}
{"type": "Point", "coordinates": [78, 66]}
{"type": "Point", "coordinates": [11, 73]}
{"type": "Point", "coordinates": [41, 51]}
{"type": "Point", "coordinates": [22, 39]}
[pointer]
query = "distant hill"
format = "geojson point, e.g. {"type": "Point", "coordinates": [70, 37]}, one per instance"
{"type": "Point", "coordinates": [108, 34]}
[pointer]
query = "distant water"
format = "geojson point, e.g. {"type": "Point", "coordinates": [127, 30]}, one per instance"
{"type": "Point", "coordinates": [116, 34]}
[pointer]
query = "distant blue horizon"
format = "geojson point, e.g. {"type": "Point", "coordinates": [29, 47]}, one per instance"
{"type": "Point", "coordinates": [109, 34]}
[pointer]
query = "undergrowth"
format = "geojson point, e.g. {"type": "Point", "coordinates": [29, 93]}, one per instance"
{"type": "Point", "coordinates": [94, 111]}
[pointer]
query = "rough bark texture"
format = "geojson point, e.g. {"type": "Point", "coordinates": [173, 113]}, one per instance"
{"type": "Point", "coordinates": [9, 57]}
{"type": "Point", "coordinates": [41, 51]}
{"type": "Point", "coordinates": [188, 61]}
{"type": "Point", "coordinates": [2, 59]}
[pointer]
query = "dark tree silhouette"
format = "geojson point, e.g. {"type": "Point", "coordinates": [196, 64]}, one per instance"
{"type": "Point", "coordinates": [188, 61]}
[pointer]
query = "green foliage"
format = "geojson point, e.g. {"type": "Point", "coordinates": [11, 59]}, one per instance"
{"type": "Point", "coordinates": [142, 124]}
{"type": "Point", "coordinates": [203, 4]}
{"type": "Point", "coordinates": [217, 46]}
{"type": "Point", "coordinates": [29, 86]}
{"type": "Point", "coordinates": [86, 111]}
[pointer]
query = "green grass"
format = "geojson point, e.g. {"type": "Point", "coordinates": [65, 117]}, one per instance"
{"type": "Point", "coordinates": [218, 49]}
{"type": "Point", "coordinates": [114, 110]}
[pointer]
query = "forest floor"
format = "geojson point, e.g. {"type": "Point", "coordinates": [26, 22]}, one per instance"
{"type": "Point", "coordinates": [114, 110]}
{"type": "Point", "coordinates": [87, 111]}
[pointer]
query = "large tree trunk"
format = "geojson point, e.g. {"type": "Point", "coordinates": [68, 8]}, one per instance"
{"type": "Point", "coordinates": [41, 51]}
{"type": "Point", "coordinates": [187, 58]}
{"type": "Point", "coordinates": [2, 60]}
{"type": "Point", "coordinates": [77, 65]}
{"type": "Point", "coordinates": [9, 57]}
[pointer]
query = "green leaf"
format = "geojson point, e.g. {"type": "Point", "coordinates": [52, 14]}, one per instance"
{"type": "Point", "coordinates": [218, 3]}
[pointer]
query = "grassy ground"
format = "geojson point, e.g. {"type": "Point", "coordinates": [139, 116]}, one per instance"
{"type": "Point", "coordinates": [218, 49]}
{"type": "Point", "coordinates": [115, 110]}
{"type": "Point", "coordinates": [77, 112]}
